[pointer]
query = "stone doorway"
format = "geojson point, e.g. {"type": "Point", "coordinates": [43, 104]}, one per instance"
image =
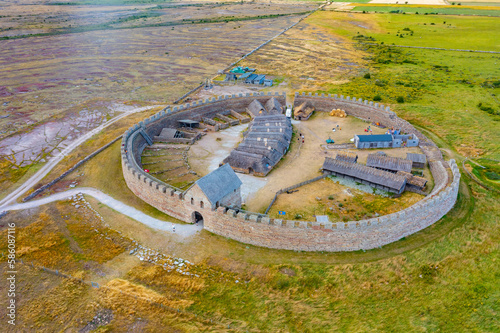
{"type": "Point", "coordinates": [197, 217]}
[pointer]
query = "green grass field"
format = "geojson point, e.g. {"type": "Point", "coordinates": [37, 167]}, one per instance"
{"type": "Point", "coordinates": [487, 171]}
{"type": "Point", "coordinates": [456, 10]}
{"type": "Point", "coordinates": [453, 93]}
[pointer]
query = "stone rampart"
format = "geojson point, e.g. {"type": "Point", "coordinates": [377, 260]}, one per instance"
{"type": "Point", "coordinates": [259, 229]}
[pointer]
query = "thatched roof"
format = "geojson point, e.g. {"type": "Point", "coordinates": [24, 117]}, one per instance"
{"type": "Point", "coordinates": [245, 160]}
{"type": "Point", "coordinates": [389, 163]}
{"type": "Point", "coordinates": [413, 180]}
{"type": "Point", "coordinates": [304, 110]}
{"type": "Point", "coordinates": [272, 154]}
{"type": "Point", "coordinates": [418, 158]}
{"type": "Point", "coordinates": [267, 136]}
{"type": "Point", "coordinates": [275, 144]}
{"type": "Point", "coordinates": [347, 157]}
{"type": "Point", "coordinates": [265, 142]}
{"type": "Point", "coordinates": [366, 173]}
{"type": "Point", "coordinates": [272, 118]}
{"type": "Point", "coordinates": [219, 183]}
{"type": "Point", "coordinates": [282, 130]}
{"type": "Point", "coordinates": [273, 106]}
{"type": "Point", "coordinates": [256, 108]}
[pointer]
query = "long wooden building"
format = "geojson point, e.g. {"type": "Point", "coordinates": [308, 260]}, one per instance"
{"type": "Point", "coordinates": [380, 179]}
{"type": "Point", "coordinates": [265, 142]}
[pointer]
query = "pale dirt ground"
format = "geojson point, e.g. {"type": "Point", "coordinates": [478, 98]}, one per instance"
{"type": "Point", "coordinates": [53, 136]}
{"type": "Point", "coordinates": [225, 90]}
{"type": "Point", "coordinates": [411, 2]}
{"type": "Point", "coordinates": [301, 163]}
{"type": "Point", "coordinates": [345, 6]}
{"type": "Point", "coordinates": [206, 155]}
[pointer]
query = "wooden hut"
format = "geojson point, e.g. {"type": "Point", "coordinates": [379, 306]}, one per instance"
{"type": "Point", "coordinates": [303, 111]}
{"type": "Point", "coordinates": [418, 160]}
{"type": "Point", "coordinates": [412, 180]}
{"type": "Point", "coordinates": [255, 109]}
{"type": "Point", "coordinates": [273, 106]}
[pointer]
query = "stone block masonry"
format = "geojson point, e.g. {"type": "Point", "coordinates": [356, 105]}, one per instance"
{"type": "Point", "coordinates": [259, 229]}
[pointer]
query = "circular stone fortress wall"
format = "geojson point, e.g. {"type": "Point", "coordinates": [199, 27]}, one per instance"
{"type": "Point", "coordinates": [259, 229]}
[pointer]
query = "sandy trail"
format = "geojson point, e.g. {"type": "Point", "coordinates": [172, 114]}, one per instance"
{"type": "Point", "coordinates": [183, 230]}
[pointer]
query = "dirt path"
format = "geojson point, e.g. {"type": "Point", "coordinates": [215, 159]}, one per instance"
{"type": "Point", "coordinates": [40, 174]}
{"type": "Point", "coordinates": [183, 230]}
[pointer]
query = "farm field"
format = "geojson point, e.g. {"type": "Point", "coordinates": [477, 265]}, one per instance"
{"type": "Point", "coordinates": [444, 278]}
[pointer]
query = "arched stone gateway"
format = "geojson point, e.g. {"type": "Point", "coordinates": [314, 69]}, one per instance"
{"type": "Point", "coordinates": [197, 217]}
{"type": "Point", "coordinates": [219, 188]}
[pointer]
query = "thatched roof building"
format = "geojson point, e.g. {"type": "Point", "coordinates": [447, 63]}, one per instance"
{"type": "Point", "coordinates": [419, 160]}
{"type": "Point", "coordinates": [274, 107]}
{"type": "Point", "coordinates": [265, 142]}
{"type": "Point", "coordinates": [387, 163]}
{"type": "Point", "coordinates": [361, 173]}
{"type": "Point", "coordinates": [347, 157]}
{"type": "Point", "coordinates": [303, 111]}
{"type": "Point", "coordinates": [255, 109]}
{"type": "Point", "coordinates": [412, 180]}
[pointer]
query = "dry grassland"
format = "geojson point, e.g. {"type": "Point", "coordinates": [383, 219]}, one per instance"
{"type": "Point", "coordinates": [74, 241]}
{"type": "Point", "coordinates": [308, 56]}
{"type": "Point", "coordinates": [46, 76]}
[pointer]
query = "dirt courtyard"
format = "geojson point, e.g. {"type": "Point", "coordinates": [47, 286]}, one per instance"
{"type": "Point", "coordinates": [302, 162]}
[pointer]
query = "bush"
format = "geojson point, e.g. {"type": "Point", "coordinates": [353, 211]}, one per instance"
{"type": "Point", "coordinates": [377, 98]}
{"type": "Point", "coordinates": [492, 175]}
{"type": "Point", "coordinates": [330, 197]}
{"type": "Point", "coordinates": [367, 76]}
{"type": "Point", "coordinates": [400, 99]}
{"type": "Point", "coordinates": [488, 109]}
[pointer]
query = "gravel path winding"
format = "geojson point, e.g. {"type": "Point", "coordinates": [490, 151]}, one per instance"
{"type": "Point", "coordinates": [183, 230]}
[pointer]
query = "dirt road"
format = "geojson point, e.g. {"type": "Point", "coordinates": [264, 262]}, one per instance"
{"type": "Point", "coordinates": [182, 230]}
